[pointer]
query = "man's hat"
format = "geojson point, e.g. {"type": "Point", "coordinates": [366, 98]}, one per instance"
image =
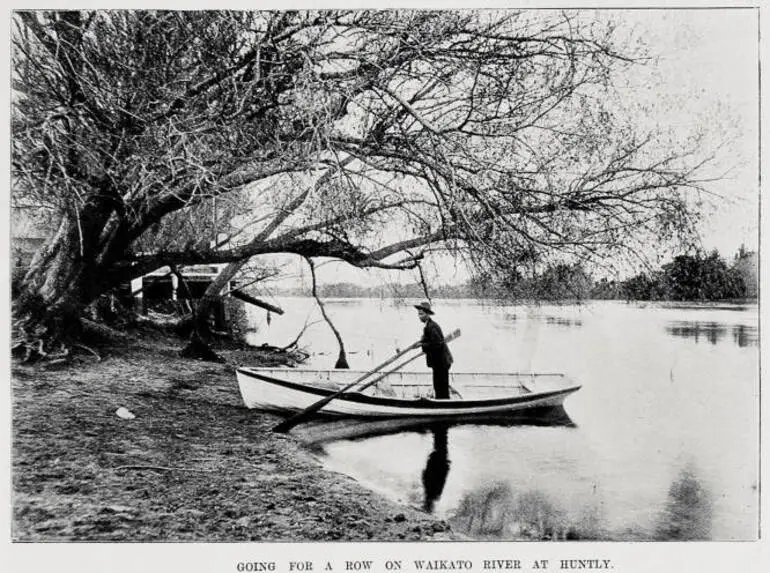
{"type": "Point", "coordinates": [425, 306]}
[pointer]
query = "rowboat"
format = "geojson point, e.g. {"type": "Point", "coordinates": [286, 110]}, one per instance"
{"type": "Point", "coordinates": [401, 393]}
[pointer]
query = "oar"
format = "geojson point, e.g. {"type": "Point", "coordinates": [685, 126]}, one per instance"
{"type": "Point", "coordinates": [308, 412]}
{"type": "Point", "coordinates": [288, 424]}
{"type": "Point", "coordinates": [391, 371]}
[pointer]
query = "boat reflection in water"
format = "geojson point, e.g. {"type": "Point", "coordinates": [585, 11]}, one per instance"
{"type": "Point", "coordinates": [323, 431]}
{"type": "Point", "coordinates": [437, 467]}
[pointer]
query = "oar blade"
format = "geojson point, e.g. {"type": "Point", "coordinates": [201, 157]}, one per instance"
{"type": "Point", "coordinates": [289, 423]}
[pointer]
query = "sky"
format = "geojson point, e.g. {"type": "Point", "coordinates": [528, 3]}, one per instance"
{"type": "Point", "coordinates": [708, 75]}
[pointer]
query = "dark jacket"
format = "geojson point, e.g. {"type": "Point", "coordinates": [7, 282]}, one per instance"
{"type": "Point", "coordinates": [436, 351]}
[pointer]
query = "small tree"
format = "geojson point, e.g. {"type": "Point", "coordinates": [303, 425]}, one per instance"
{"type": "Point", "coordinates": [699, 277]}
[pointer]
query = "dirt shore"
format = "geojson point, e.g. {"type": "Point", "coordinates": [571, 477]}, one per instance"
{"type": "Point", "coordinates": [193, 465]}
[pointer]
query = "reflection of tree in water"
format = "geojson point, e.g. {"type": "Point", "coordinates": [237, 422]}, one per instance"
{"type": "Point", "coordinates": [494, 511]}
{"type": "Point", "coordinates": [745, 335]}
{"type": "Point", "coordinates": [554, 320]}
{"type": "Point", "coordinates": [688, 512]}
{"type": "Point", "coordinates": [560, 321]}
{"type": "Point", "coordinates": [713, 332]}
{"type": "Point", "coordinates": [710, 331]}
{"type": "Point", "coordinates": [435, 473]}
{"type": "Point", "coordinates": [483, 513]}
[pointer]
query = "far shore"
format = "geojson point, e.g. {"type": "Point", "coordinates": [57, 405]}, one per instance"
{"type": "Point", "coordinates": [192, 465]}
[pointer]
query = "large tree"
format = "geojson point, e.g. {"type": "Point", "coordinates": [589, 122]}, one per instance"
{"type": "Point", "coordinates": [367, 136]}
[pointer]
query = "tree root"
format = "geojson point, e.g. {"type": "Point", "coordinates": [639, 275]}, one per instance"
{"type": "Point", "coordinates": [34, 346]}
{"type": "Point", "coordinates": [62, 355]}
{"type": "Point", "coordinates": [199, 349]}
{"type": "Point", "coordinates": [91, 328]}
{"type": "Point", "coordinates": [164, 321]}
{"type": "Point", "coordinates": [59, 341]}
{"type": "Point", "coordinates": [39, 346]}
{"type": "Point", "coordinates": [91, 350]}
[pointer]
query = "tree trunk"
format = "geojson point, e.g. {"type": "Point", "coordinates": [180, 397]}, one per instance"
{"type": "Point", "coordinates": [52, 294]}
{"type": "Point", "coordinates": [199, 345]}
{"type": "Point", "coordinates": [63, 278]}
{"type": "Point", "coordinates": [342, 358]}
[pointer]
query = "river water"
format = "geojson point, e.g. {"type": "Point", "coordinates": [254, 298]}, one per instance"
{"type": "Point", "coordinates": [660, 443]}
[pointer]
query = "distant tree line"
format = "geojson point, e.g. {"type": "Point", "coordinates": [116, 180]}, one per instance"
{"type": "Point", "coordinates": [388, 290]}
{"type": "Point", "coordinates": [698, 277]}
{"type": "Point", "coordinates": [691, 277]}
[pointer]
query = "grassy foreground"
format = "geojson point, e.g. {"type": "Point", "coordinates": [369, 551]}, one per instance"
{"type": "Point", "coordinates": [193, 465]}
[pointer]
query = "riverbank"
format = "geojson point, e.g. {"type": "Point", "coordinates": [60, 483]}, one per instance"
{"type": "Point", "coordinates": [192, 464]}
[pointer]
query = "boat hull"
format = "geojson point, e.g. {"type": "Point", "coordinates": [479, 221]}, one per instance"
{"type": "Point", "coordinates": [402, 394]}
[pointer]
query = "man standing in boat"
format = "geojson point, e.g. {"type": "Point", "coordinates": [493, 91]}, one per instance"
{"type": "Point", "coordinates": [436, 351]}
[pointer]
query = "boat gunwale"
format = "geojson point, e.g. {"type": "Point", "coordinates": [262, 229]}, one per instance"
{"type": "Point", "coordinates": [257, 370]}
